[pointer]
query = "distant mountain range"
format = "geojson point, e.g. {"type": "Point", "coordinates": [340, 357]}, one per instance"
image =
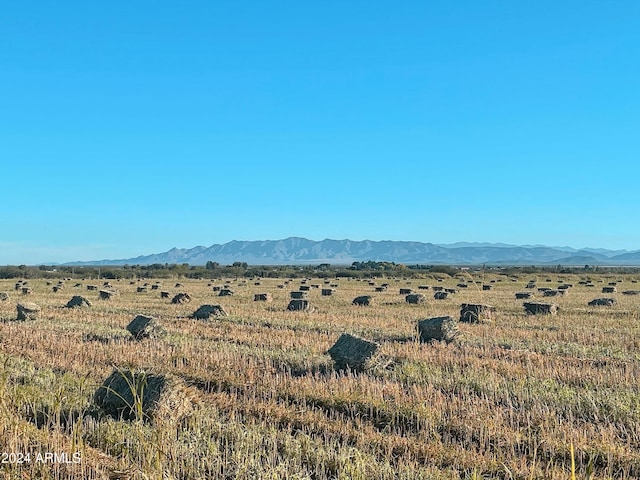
{"type": "Point", "coordinates": [298, 251]}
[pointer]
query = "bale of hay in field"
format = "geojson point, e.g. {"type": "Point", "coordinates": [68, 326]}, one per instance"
{"type": "Point", "coordinates": [26, 291]}
{"type": "Point", "coordinates": [550, 293]}
{"type": "Point", "coordinates": [92, 287]}
{"type": "Point", "coordinates": [606, 302]}
{"type": "Point", "coordinates": [415, 298]}
{"type": "Point", "coordinates": [262, 297]}
{"type": "Point", "coordinates": [180, 298]}
{"type": "Point", "coordinates": [155, 286]}
{"type": "Point", "coordinates": [363, 301]}
{"type": "Point", "coordinates": [536, 308]}
{"type": "Point", "coordinates": [475, 313]}
{"type": "Point", "coordinates": [298, 305]}
{"type": "Point", "coordinates": [438, 328]}
{"type": "Point", "coordinates": [327, 292]}
{"type": "Point", "coordinates": [631, 292]}
{"type": "Point", "coordinates": [298, 295]}
{"type": "Point", "coordinates": [141, 289]}
{"type": "Point", "coordinates": [178, 285]}
{"type": "Point", "coordinates": [450, 290]}
{"type": "Point", "coordinates": [216, 288]}
{"type": "Point", "coordinates": [144, 326]}
{"type": "Point", "coordinates": [523, 295]}
{"type": "Point", "coordinates": [4, 296]}
{"type": "Point", "coordinates": [423, 287]}
{"type": "Point", "coordinates": [164, 294]}
{"type": "Point", "coordinates": [437, 288]}
{"type": "Point", "coordinates": [106, 294]}
{"type": "Point", "coordinates": [304, 288]}
{"type": "Point", "coordinates": [78, 301]}
{"type": "Point", "coordinates": [381, 289]}
{"type": "Point", "coordinates": [487, 287]}
{"type": "Point", "coordinates": [462, 285]}
{"type": "Point", "coordinates": [530, 285]}
{"type": "Point", "coordinates": [406, 291]}
{"type": "Point", "coordinates": [225, 292]}
{"type": "Point", "coordinates": [27, 311]}
{"type": "Point", "coordinates": [609, 289]}
{"type": "Point", "coordinates": [356, 354]}
{"type": "Point", "coordinates": [204, 312]}
{"type": "Point", "coordinates": [441, 295]}
{"type": "Point", "coordinates": [56, 288]}
{"type": "Point", "coordinates": [142, 395]}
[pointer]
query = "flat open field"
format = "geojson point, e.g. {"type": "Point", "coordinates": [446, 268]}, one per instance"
{"type": "Point", "coordinates": [511, 398]}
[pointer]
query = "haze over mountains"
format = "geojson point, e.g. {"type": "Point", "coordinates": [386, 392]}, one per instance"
{"type": "Point", "coordinates": [296, 250]}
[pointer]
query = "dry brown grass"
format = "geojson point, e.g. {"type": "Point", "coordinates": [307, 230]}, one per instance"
{"type": "Point", "coordinates": [507, 400]}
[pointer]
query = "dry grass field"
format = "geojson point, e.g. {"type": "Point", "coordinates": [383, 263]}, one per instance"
{"type": "Point", "coordinates": [511, 398]}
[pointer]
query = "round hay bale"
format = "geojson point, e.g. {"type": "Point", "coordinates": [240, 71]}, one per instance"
{"type": "Point", "coordinates": [475, 313]}
{"type": "Point", "coordinates": [440, 295]}
{"type": "Point", "coordinates": [438, 328]}
{"type": "Point", "coordinates": [181, 298]}
{"type": "Point", "coordinates": [4, 296]}
{"type": "Point", "coordinates": [26, 291]}
{"type": "Point", "coordinates": [164, 294]}
{"type": "Point", "coordinates": [298, 295]}
{"type": "Point", "coordinates": [609, 289]}
{"type": "Point", "coordinates": [357, 354]}
{"type": "Point", "coordinates": [92, 287]}
{"type": "Point", "coordinates": [406, 291]}
{"type": "Point", "coordinates": [141, 289]}
{"type": "Point", "coordinates": [523, 295]}
{"type": "Point", "coordinates": [143, 326]}
{"type": "Point", "coordinates": [299, 305]}
{"type": "Point", "coordinates": [415, 298]}
{"type": "Point", "coordinates": [604, 302]}
{"type": "Point", "coordinates": [141, 395]}
{"type": "Point", "coordinates": [536, 308]}
{"type": "Point", "coordinates": [262, 297]}
{"type": "Point", "coordinates": [362, 301]}
{"type": "Point", "coordinates": [78, 301]}
{"type": "Point", "coordinates": [106, 294]}
{"type": "Point", "coordinates": [27, 311]}
{"type": "Point", "coordinates": [225, 292]}
{"type": "Point", "coordinates": [204, 312]}
{"type": "Point", "coordinates": [304, 288]}
{"type": "Point", "coordinates": [631, 292]}
{"type": "Point", "coordinates": [327, 292]}
{"type": "Point", "coordinates": [487, 287]}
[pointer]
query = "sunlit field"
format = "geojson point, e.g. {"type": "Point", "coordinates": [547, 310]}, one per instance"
{"type": "Point", "coordinates": [511, 398]}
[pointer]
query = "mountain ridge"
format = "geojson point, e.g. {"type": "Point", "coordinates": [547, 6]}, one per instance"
{"type": "Point", "coordinates": [299, 250]}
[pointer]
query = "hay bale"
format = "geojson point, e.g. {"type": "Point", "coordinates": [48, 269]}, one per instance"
{"type": "Point", "coordinates": [363, 301]}
{"type": "Point", "coordinates": [4, 296]}
{"type": "Point", "coordinates": [92, 287]}
{"type": "Point", "coordinates": [56, 288]}
{"type": "Point", "coordinates": [204, 312]}
{"type": "Point", "coordinates": [106, 294]}
{"type": "Point", "coordinates": [180, 298]}
{"type": "Point", "coordinates": [381, 289]}
{"type": "Point", "coordinates": [536, 308]}
{"type": "Point", "coordinates": [356, 354]}
{"type": "Point", "coordinates": [441, 295]}
{"type": "Point", "coordinates": [299, 305]}
{"type": "Point", "coordinates": [78, 301]}
{"type": "Point", "coordinates": [530, 285]}
{"type": "Point", "coordinates": [216, 288]}
{"type": "Point", "coordinates": [523, 295]}
{"type": "Point", "coordinates": [609, 290]}
{"type": "Point", "coordinates": [437, 288]}
{"type": "Point", "coordinates": [144, 326]}
{"type": "Point", "coordinates": [406, 291]}
{"type": "Point", "coordinates": [155, 286]}
{"type": "Point", "coordinates": [27, 311]}
{"type": "Point", "coordinates": [606, 302]}
{"type": "Point", "coordinates": [298, 295]}
{"type": "Point", "coordinates": [164, 294]}
{"type": "Point", "coordinates": [26, 291]}
{"type": "Point", "coordinates": [304, 288]}
{"type": "Point", "coordinates": [438, 328]}
{"type": "Point", "coordinates": [462, 285]}
{"type": "Point", "coordinates": [487, 287]}
{"type": "Point", "coordinates": [415, 298]}
{"type": "Point", "coordinates": [141, 289]}
{"type": "Point", "coordinates": [327, 292]}
{"type": "Point", "coordinates": [450, 290]}
{"type": "Point", "coordinates": [262, 297]}
{"type": "Point", "coordinates": [550, 293]}
{"type": "Point", "coordinates": [631, 292]}
{"type": "Point", "coordinates": [423, 287]}
{"type": "Point", "coordinates": [159, 397]}
{"type": "Point", "coordinates": [476, 313]}
{"type": "Point", "coordinates": [225, 292]}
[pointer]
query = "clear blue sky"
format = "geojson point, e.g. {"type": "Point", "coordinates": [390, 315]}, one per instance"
{"type": "Point", "coordinates": [128, 128]}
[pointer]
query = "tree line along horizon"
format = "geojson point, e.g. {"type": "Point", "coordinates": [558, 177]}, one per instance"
{"type": "Point", "coordinates": [364, 269]}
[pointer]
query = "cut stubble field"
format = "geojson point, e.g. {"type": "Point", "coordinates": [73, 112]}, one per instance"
{"type": "Point", "coordinates": [518, 397]}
